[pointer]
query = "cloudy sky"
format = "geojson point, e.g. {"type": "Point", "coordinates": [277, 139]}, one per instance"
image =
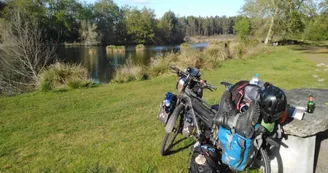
{"type": "Point", "coordinates": [186, 7]}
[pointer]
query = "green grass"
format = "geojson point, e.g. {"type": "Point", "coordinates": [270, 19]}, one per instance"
{"type": "Point", "coordinates": [114, 127]}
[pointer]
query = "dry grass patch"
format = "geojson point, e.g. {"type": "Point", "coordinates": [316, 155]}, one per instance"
{"type": "Point", "coordinates": [63, 76]}
{"type": "Point", "coordinates": [129, 72]}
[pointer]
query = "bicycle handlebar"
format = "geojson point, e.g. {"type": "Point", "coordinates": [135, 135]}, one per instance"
{"type": "Point", "coordinates": [182, 73]}
{"type": "Point", "coordinates": [209, 86]}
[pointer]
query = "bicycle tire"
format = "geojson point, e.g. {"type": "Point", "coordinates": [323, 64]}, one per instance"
{"type": "Point", "coordinates": [266, 160]}
{"type": "Point", "coordinates": [173, 131]}
{"type": "Point", "coordinates": [166, 144]}
{"type": "Point", "coordinates": [172, 120]}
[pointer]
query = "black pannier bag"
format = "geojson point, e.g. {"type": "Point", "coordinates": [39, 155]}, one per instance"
{"type": "Point", "coordinates": [204, 159]}
{"type": "Point", "coordinates": [166, 107]}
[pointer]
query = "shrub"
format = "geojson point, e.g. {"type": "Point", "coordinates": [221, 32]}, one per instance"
{"type": "Point", "coordinates": [184, 45]}
{"type": "Point", "coordinates": [210, 58]}
{"type": "Point", "coordinates": [112, 48]}
{"type": "Point", "coordinates": [191, 57]}
{"type": "Point", "coordinates": [216, 54]}
{"type": "Point", "coordinates": [129, 72]}
{"type": "Point", "coordinates": [63, 76]}
{"type": "Point", "coordinates": [237, 50]}
{"type": "Point", "coordinates": [243, 29]}
{"type": "Point", "coordinates": [159, 64]}
{"type": "Point", "coordinates": [140, 47]}
{"type": "Point", "coordinates": [241, 50]}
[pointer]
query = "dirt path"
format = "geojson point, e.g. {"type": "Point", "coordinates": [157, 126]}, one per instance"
{"type": "Point", "coordinates": [316, 54]}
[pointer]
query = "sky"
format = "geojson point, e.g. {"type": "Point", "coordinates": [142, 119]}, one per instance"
{"type": "Point", "coordinates": [185, 7]}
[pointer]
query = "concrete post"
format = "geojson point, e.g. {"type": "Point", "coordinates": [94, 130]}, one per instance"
{"type": "Point", "coordinates": [295, 154]}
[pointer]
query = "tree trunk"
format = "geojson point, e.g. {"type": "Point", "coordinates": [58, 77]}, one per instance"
{"type": "Point", "coordinates": [269, 36]}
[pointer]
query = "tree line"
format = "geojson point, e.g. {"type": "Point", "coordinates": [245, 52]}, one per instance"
{"type": "Point", "coordinates": [273, 20]}
{"type": "Point", "coordinates": [104, 22]}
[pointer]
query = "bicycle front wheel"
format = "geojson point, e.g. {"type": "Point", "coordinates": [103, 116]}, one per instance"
{"type": "Point", "coordinates": [171, 130]}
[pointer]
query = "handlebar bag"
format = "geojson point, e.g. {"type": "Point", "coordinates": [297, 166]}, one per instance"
{"type": "Point", "coordinates": [238, 151]}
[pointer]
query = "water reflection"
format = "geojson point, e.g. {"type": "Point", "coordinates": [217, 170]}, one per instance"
{"type": "Point", "coordinates": [101, 63]}
{"type": "Point", "coordinates": [116, 58]}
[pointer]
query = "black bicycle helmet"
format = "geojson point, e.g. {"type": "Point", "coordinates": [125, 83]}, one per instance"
{"type": "Point", "coordinates": [273, 103]}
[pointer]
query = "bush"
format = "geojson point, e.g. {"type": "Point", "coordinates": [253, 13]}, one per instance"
{"type": "Point", "coordinates": [129, 72]}
{"type": "Point", "coordinates": [60, 76]}
{"type": "Point", "coordinates": [184, 45]}
{"type": "Point", "coordinates": [213, 56]}
{"type": "Point", "coordinates": [237, 50]}
{"type": "Point", "coordinates": [241, 50]}
{"type": "Point", "coordinates": [112, 48]}
{"type": "Point", "coordinates": [210, 58]}
{"type": "Point", "coordinates": [243, 29]}
{"type": "Point", "coordinates": [159, 64]}
{"type": "Point", "coordinates": [140, 47]}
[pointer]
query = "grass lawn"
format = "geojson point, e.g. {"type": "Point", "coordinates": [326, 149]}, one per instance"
{"type": "Point", "coordinates": [114, 127]}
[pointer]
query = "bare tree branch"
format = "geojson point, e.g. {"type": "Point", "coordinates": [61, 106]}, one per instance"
{"type": "Point", "coordinates": [24, 54]}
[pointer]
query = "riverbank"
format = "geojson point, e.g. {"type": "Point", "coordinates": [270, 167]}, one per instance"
{"type": "Point", "coordinates": [209, 58]}
{"type": "Point", "coordinates": [114, 127]}
{"type": "Point", "coordinates": [211, 39]}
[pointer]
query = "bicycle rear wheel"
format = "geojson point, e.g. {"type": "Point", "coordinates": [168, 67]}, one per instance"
{"type": "Point", "coordinates": [262, 162]}
{"type": "Point", "coordinates": [266, 161]}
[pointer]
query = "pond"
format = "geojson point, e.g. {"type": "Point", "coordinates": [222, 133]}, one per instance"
{"type": "Point", "coordinates": [102, 64]}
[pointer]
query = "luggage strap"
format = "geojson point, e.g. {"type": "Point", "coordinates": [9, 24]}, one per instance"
{"type": "Point", "coordinates": [233, 131]}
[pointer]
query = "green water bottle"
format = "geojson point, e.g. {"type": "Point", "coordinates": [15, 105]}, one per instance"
{"type": "Point", "coordinates": [310, 105]}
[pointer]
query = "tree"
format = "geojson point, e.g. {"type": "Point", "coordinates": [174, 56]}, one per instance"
{"type": "Point", "coordinates": [181, 31]}
{"type": "Point", "coordinates": [278, 17]}
{"type": "Point", "coordinates": [261, 10]}
{"type": "Point", "coordinates": [169, 26]}
{"type": "Point", "coordinates": [323, 5]}
{"type": "Point", "coordinates": [218, 25]}
{"type": "Point", "coordinates": [192, 26]}
{"type": "Point", "coordinates": [317, 29]}
{"type": "Point", "coordinates": [63, 20]}
{"type": "Point", "coordinates": [242, 28]}
{"type": "Point", "coordinates": [88, 33]}
{"type": "Point", "coordinates": [206, 27]}
{"type": "Point", "coordinates": [24, 52]}
{"type": "Point", "coordinates": [120, 27]}
{"type": "Point", "coordinates": [225, 25]}
{"type": "Point", "coordinates": [141, 25]}
{"type": "Point", "coordinates": [106, 13]}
